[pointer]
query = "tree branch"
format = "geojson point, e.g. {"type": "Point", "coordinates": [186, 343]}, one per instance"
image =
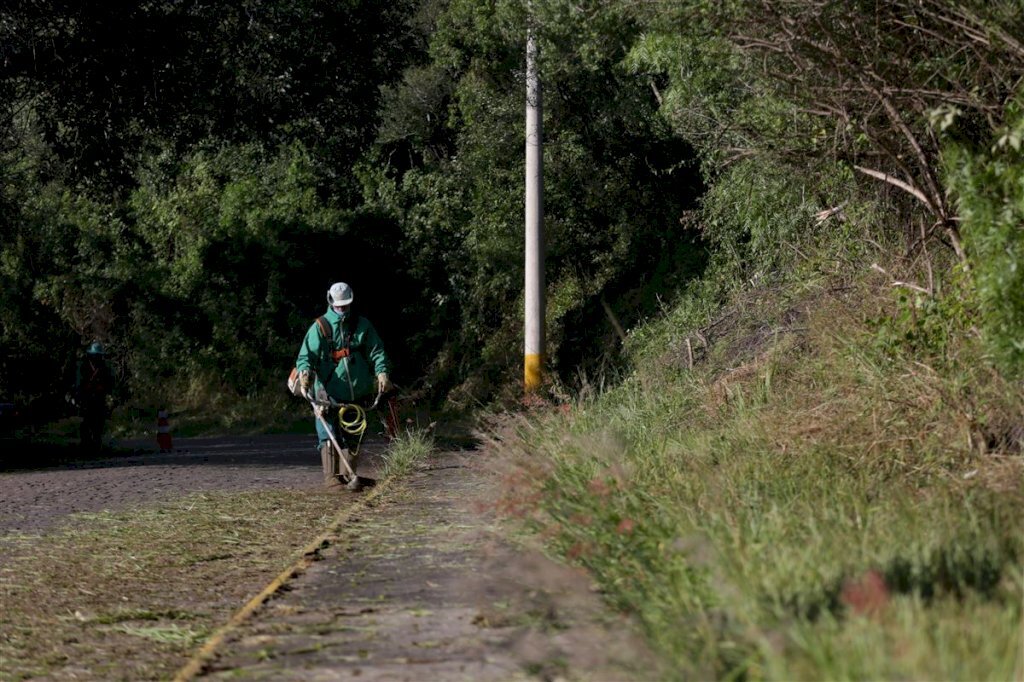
{"type": "Point", "coordinates": [896, 182]}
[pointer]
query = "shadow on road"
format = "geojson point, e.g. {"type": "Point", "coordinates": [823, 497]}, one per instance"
{"type": "Point", "coordinates": [258, 450]}
{"type": "Point", "coordinates": [264, 450]}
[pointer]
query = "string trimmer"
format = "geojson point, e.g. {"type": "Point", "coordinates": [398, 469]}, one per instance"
{"type": "Point", "coordinates": [352, 419]}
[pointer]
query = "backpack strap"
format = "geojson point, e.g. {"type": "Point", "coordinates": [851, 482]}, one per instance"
{"type": "Point", "coordinates": [325, 329]}
{"type": "Point", "coordinates": [327, 333]}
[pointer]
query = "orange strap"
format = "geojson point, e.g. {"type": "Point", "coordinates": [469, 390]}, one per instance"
{"type": "Point", "coordinates": [326, 333]}
{"type": "Point", "coordinates": [325, 327]}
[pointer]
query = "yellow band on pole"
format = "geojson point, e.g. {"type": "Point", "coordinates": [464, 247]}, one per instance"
{"type": "Point", "coordinates": [533, 370]}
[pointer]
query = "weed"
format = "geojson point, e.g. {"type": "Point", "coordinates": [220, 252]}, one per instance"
{"type": "Point", "coordinates": [802, 504]}
{"type": "Point", "coordinates": [174, 635]}
{"type": "Point", "coordinates": [406, 452]}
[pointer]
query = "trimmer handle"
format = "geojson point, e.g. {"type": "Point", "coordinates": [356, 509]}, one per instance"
{"type": "Point", "coordinates": [383, 396]}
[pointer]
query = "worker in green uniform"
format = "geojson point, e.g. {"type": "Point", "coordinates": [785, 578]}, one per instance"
{"type": "Point", "coordinates": [342, 359]}
{"type": "Point", "coordinates": [93, 383]}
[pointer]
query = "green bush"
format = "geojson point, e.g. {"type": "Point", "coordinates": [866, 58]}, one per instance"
{"type": "Point", "coordinates": [755, 213]}
{"type": "Point", "coordinates": [218, 230]}
{"type": "Point", "coordinates": [988, 185]}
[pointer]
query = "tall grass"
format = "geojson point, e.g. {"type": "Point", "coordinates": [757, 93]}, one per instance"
{"type": "Point", "coordinates": [810, 501]}
{"type": "Point", "coordinates": [407, 450]}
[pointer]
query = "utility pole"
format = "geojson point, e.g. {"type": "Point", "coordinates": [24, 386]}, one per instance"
{"type": "Point", "coordinates": [533, 360]}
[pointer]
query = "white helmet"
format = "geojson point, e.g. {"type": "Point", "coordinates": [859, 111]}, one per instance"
{"type": "Point", "coordinates": [339, 294]}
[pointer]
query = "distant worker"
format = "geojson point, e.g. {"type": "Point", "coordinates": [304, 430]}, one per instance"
{"type": "Point", "coordinates": [342, 359]}
{"type": "Point", "coordinates": [93, 383]}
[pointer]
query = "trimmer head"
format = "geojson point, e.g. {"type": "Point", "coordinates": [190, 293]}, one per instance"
{"type": "Point", "coordinates": [360, 482]}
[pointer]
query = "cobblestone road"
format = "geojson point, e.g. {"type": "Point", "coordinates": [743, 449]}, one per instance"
{"type": "Point", "coordinates": [35, 500]}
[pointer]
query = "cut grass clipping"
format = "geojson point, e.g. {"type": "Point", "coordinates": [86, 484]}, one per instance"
{"type": "Point", "coordinates": [127, 595]}
{"type": "Point", "coordinates": [817, 506]}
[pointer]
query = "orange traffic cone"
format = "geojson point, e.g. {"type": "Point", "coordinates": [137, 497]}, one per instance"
{"type": "Point", "coordinates": [163, 431]}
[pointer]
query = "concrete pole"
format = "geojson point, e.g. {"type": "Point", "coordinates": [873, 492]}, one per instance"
{"type": "Point", "coordinates": [533, 361]}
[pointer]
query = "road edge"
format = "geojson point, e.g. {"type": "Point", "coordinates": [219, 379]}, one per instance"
{"type": "Point", "coordinates": [310, 553]}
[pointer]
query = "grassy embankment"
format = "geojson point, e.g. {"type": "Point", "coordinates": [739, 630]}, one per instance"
{"type": "Point", "coordinates": [198, 410]}
{"type": "Point", "coordinates": [129, 594]}
{"type": "Point", "coordinates": [813, 480]}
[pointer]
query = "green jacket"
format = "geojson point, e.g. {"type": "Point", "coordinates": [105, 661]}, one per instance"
{"type": "Point", "coordinates": [350, 378]}
{"type": "Point", "coordinates": [93, 380]}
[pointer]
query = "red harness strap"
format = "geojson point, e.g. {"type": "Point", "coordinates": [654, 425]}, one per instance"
{"type": "Point", "coordinates": [339, 354]}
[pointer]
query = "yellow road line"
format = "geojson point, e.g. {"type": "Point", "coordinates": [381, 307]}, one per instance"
{"type": "Point", "coordinates": [206, 653]}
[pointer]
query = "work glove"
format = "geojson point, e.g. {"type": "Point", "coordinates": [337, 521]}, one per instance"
{"type": "Point", "coordinates": [383, 383]}
{"type": "Point", "coordinates": [306, 379]}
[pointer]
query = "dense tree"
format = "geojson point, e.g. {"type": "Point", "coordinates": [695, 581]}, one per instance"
{"type": "Point", "coordinates": [178, 177]}
{"type": "Point", "coordinates": [449, 167]}
{"type": "Point", "coordinates": [867, 84]}
{"type": "Point", "coordinates": [810, 115]}
{"type": "Point", "coordinates": [159, 159]}
{"type": "Point", "coordinates": [107, 80]}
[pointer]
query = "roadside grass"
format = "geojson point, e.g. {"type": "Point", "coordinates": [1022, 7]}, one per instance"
{"type": "Point", "coordinates": [810, 501]}
{"type": "Point", "coordinates": [404, 453]}
{"type": "Point", "coordinates": [125, 595]}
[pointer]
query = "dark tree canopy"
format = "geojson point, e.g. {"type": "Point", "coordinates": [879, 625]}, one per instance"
{"type": "Point", "coordinates": [183, 179]}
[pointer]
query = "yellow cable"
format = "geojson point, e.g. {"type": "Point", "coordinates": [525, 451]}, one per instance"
{"type": "Point", "coordinates": [355, 426]}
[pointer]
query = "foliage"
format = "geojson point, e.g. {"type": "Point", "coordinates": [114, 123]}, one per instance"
{"type": "Point", "coordinates": [158, 161]}
{"type": "Point", "coordinates": [988, 186]}
{"type": "Point", "coordinates": [448, 166]}
{"type": "Point", "coordinates": [752, 212]}
{"type": "Point", "coordinates": [221, 229]}
{"type": "Point", "coordinates": [171, 280]}
{"type": "Point", "coordinates": [57, 277]}
{"type": "Point", "coordinates": [860, 82]}
{"type": "Point", "coordinates": [928, 324]}
{"type": "Point", "coordinates": [112, 80]}
{"type": "Point", "coordinates": [175, 178]}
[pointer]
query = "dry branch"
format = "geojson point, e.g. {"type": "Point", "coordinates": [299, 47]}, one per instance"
{"type": "Point", "coordinates": [896, 182]}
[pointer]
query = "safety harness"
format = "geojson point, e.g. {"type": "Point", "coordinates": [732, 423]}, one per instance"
{"type": "Point", "coordinates": [94, 382]}
{"type": "Point", "coordinates": [326, 333]}
{"type": "Point", "coordinates": [336, 355]}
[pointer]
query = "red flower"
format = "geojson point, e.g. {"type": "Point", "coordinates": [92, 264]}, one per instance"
{"type": "Point", "coordinates": [578, 550]}
{"type": "Point", "coordinates": [867, 595]}
{"type": "Point", "coordinates": [599, 487]}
